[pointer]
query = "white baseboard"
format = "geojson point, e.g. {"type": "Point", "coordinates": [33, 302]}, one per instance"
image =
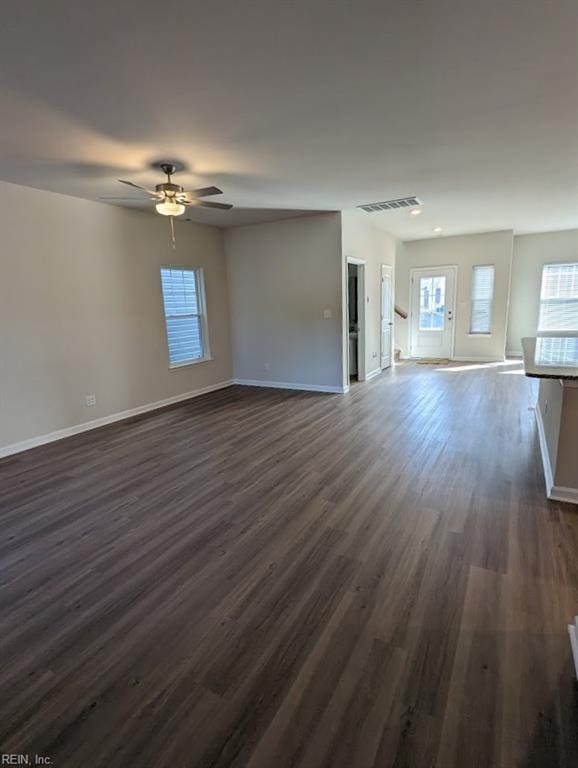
{"type": "Point", "coordinates": [291, 385]}
{"type": "Point", "coordinates": [548, 476]}
{"type": "Point", "coordinates": [459, 359]}
{"type": "Point", "coordinates": [513, 353]}
{"type": "Point", "coordinates": [373, 374]}
{"type": "Point", "coordinates": [574, 643]}
{"type": "Point", "coordinates": [553, 492]}
{"type": "Point", "coordinates": [86, 426]}
{"type": "Point", "coordinates": [474, 359]}
{"type": "Point", "coordinates": [560, 493]}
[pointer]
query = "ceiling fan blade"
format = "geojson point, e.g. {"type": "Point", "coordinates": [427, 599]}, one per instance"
{"type": "Point", "coordinates": [136, 199]}
{"type": "Point", "coordinates": [203, 192]}
{"type": "Point", "coordinates": [220, 206]}
{"type": "Point", "coordinates": [136, 186]}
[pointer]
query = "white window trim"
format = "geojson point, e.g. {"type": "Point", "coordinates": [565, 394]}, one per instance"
{"type": "Point", "coordinates": [482, 334]}
{"type": "Point", "coordinates": [202, 303]}
{"type": "Point", "coordinates": [561, 334]}
{"type": "Point", "coordinates": [173, 366]}
{"type": "Point", "coordinates": [428, 330]}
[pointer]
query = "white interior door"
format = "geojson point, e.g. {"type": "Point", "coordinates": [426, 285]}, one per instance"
{"type": "Point", "coordinates": [432, 312]}
{"type": "Point", "coordinates": [386, 314]}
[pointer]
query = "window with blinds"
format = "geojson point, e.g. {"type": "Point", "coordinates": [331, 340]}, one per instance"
{"type": "Point", "coordinates": [183, 297]}
{"type": "Point", "coordinates": [559, 298]}
{"type": "Point", "coordinates": [482, 298]}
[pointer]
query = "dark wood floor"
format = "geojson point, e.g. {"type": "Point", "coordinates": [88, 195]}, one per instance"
{"type": "Point", "coordinates": [269, 579]}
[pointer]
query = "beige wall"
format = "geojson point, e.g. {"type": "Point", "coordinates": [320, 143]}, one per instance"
{"type": "Point", "coordinates": [531, 252]}
{"type": "Point", "coordinates": [81, 311]}
{"type": "Point", "coordinates": [282, 276]}
{"type": "Point", "coordinates": [464, 252]}
{"type": "Point", "coordinates": [363, 240]}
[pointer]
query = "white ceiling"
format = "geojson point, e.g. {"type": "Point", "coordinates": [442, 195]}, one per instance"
{"type": "Point", "coordinates": [303, 104]}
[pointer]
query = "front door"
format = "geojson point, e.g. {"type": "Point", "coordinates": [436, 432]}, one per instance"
{"type": "Point", "coordinates": [432, 312]}
{"type": "Point", "coordinates": [386, 314]}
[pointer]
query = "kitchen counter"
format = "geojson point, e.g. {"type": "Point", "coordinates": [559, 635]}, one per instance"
{"type": "Point", "coordinates": [554, 360]}
{"type": "Point", "coordinates": [548, 357]}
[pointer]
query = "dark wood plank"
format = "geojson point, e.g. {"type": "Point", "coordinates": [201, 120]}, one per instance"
{"type": "Point", "coordinates": [272, 578]}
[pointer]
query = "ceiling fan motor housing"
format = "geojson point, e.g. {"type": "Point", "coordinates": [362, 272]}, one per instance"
{"type": "Point", "coordinates": [169, 189]}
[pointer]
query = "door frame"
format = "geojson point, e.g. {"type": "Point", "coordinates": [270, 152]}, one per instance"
{"type": "Point", "coordinates": [412, 271]}
{"type": "Point", "coordinates": [361, 324]}
{"type": "Point", "coordinates": [391, 343]}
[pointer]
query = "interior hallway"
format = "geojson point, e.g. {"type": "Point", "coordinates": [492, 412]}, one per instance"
{"type": "Point", "coordinates": [273, 578]}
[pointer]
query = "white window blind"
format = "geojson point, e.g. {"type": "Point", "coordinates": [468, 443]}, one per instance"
{"type": "Point", "coordinates": [183, 304]}
{"type": "Point", "coordinates": [482, 299]}
{"type": "Point", "coordinates": [559, 298]}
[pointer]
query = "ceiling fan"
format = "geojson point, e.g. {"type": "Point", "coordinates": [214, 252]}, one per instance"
{"type": "Point", "coordinates": [171, 199]}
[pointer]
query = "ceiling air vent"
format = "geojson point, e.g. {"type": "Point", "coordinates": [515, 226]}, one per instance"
{"type": "Point", "coordinates": [391, 205]}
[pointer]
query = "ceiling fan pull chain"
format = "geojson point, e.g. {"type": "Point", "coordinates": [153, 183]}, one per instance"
{"type": "Point", "coordinates": [173, 239]}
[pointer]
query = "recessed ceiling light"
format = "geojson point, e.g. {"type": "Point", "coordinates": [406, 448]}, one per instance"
{"type": "Point", "coordinates": [437, 230]}
{"type": "Point", "coordinates": [416, 212]}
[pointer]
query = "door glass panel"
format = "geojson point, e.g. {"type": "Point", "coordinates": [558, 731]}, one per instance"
{"type": "Point", "coordinates": [432, 300]}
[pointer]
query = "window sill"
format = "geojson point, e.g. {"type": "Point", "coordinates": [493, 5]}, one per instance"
{"type": "Point", "coordinates": [174, 366]}
{"type": "Point", "coordinates": [480, 335]}
{"type": "Point", "coordinates": [557, 334]}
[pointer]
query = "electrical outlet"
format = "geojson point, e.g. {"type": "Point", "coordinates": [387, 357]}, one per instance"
{"type": "Point", "coordinates": [90, 400]}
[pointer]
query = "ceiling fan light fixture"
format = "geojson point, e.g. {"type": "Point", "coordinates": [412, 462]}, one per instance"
{"type": "Point", "coordinates": [168, 208]}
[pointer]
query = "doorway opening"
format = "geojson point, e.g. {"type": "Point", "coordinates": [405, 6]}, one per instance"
{"type": "Point", "coordinates": [356, 319]}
